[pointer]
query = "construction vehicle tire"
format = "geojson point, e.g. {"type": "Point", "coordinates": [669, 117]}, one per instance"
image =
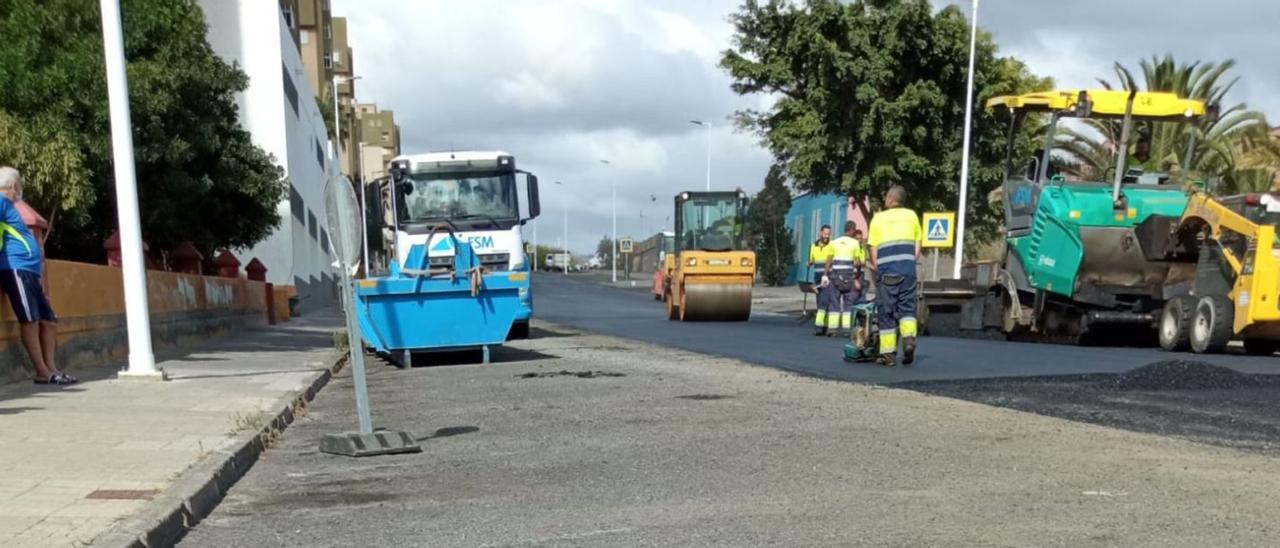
{"type": "Point", "coordinates": [1211, 324]}
{"type": "Point", "coordinates": [1175, 323]}
{"type": "Point", "coordinates": [1260, 347]}
{"type": "Point", "coordinates": [673, 310]}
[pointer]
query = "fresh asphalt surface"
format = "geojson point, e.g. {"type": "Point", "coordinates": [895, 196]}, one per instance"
{"type": "Point", "coordinates": [780, 341]}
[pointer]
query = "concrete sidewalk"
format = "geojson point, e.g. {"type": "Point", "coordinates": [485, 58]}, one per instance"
{"type": "Point", "coordinates": [112, 460]}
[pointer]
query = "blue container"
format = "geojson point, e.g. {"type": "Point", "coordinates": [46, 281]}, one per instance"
{"type": "Point", "coordinates": [413, 310]}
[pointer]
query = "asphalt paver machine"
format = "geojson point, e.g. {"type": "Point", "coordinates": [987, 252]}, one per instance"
{"type": "Point", "coordinates": [1082, 257]}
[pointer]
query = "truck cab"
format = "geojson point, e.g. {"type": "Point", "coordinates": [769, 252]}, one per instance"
{"type": "Point", "coordinates": [473, 198]}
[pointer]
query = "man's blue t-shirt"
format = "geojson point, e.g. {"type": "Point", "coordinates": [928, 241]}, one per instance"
{"type": "Point", "coordinates": [18, 254]}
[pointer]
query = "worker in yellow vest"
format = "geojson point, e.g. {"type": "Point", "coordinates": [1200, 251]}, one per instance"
{"type": "Point", "coordinates": [895, 236]}
{"type": "Point", "coordinates": [819, 253]}
{"type": "Point", "coordinates": [844, 270]}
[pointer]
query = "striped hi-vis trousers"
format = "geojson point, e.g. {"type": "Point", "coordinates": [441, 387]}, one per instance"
{"type": "Point", "coordinates": [895, 312]}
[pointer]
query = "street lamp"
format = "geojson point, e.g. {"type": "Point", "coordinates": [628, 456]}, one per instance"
{"type": "Point", "coordinates": [708, 126]}
{"type": "Point", "coordinates": [337, 121]}
{"type": "Point", "coordinates": [142, 362]}
{"type": "Point", "coordinates": [964, 159]}
{"type": "Point", "coordinates": [566, 234]}
{"type": "Point", "coordinates": [613, 253]}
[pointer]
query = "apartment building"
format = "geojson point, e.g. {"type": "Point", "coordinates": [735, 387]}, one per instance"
{"type": "Point", "coordinates": [282, 116]}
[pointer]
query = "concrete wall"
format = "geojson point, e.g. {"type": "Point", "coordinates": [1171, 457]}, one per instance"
{"type": "Point", "coordinates": [89, 302]}
{"type": "Point", "coordinates": [280, 112]}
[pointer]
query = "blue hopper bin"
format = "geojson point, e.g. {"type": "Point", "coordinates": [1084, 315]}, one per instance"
{"type": "Point", "coordinates": [447, 307]}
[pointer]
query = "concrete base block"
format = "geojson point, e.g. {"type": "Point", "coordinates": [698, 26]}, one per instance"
{"type": "Point", "coordinates": [382, 442]}
{"type": "Point", "coordinates": [157, 375]}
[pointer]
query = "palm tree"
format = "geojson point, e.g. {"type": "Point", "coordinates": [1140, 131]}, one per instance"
{"type": "Point", "coordinates": [1220, 143]}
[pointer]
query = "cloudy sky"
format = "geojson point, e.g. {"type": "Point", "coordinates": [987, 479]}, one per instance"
{"type": "Point", "coordinates": [564, 84]}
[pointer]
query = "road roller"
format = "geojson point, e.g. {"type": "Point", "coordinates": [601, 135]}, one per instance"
{"type": "Point", "coordinates": [710, 272]}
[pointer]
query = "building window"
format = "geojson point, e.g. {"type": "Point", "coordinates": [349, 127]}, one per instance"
{"type": "Point", "coordinates": [319, 154]}
{"type": "Point", "coordinates": [328, 61]}
{"type": "Point", "coordinates": [290, 91]}
{"type": "Point", "coordinates": [324, 241]}
{"type": "Point", "coordinates": [305, 37]}
{"type": "Point", "coordinates": [312, 227]}
{"type": "Point", "coordinates": [287, 12]}
{"type": "Point", "coordinates": [328, 32]}
{"type": "Point", "coordinates": [337, 57]}
{"type": "Point", "coordinates": [296, 206]}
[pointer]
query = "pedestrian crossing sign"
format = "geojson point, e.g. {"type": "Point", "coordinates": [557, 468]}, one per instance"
{"type": "Point", "coordinates": [939, 229]}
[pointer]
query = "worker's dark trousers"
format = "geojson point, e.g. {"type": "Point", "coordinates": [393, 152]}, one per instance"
{"type": "Point", "coordinates": [895, 309]}
{"type": "Point", "coordinates": [822, 319]}
{"type": "Point", "coordinates": [842, 301]}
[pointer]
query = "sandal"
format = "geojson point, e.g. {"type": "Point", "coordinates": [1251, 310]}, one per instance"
{"type": "Point", "coordinates": [61, 379]}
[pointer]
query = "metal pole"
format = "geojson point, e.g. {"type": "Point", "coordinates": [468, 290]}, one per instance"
{"type": "Point", "coordinates": [142, 362]}
{"type": "Point", "coordinates": [708, 124]}
{"type": "Point", "coordinates": [356, 343]}
{"type": "Point", "coordinates": [337, 128]}
{"type": "Point", "coordinates": [565, 249]}
{"type": "Point", "coordinates": [935, 264]}
{"type": "Point", "coordinates": [364, 207]}
{"type": "Point", "coordinates": [964, 160]}
{"type": "Point", "coordinates": [613, 254]}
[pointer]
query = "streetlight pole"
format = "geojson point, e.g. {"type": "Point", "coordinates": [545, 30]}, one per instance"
{"type": "Point", "coordinates": [964, 159]}
{"type": "Point", "coordinates": [565, 250]}
{"type": "Point", "coordinates": [142, 362]}
{"type": "Point", "coordinates": [613, 252]}
{"type": "Point", "coordinates": [708, 126]}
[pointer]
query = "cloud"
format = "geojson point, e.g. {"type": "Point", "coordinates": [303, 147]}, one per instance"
{"type": "Point", "coordinates": [563, 84]}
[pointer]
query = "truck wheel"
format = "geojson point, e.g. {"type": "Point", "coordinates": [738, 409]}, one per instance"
{"type": "Point", "coordinates": [1211, 324]}
{"type": "Point", "coordinates": [1175, 323]}
{"type": "Point", "coordinates": [1260, 347]}
{"type": "Point", "coordinates": [519, 331]}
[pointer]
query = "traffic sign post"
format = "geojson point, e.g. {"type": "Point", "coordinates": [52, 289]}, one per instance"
{"type": "Point", "coordinates": [342, 216]}
{"type": "Point", "coordinates": [939, 232]}
{"type": "Point", "coordinates": [625, 246]}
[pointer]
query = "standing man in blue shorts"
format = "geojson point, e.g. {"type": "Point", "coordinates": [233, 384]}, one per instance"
{"type": "Point", "coordinates": [20, 266]}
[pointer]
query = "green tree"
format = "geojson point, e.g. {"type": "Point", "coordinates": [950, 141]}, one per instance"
{"type": "Point", "coordinates": [200, 178]}
{"type": "Point", "coordinates": [871, 94]}
{"type": "Point", "coordinates": [767, 221]}
{"type": "Point", "coordinates": [1222, 142]}
{"type": "Point", "coordinates": [604, 250]}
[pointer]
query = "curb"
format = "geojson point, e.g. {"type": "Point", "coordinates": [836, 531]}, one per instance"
{"type": "Point", "coordinates": [193, 496]}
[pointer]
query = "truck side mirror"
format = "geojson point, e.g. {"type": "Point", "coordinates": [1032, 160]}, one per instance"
{"type": "Point", "coordinates": [535, 207]}
{"type": "Point", "coordinates": [405, 188]}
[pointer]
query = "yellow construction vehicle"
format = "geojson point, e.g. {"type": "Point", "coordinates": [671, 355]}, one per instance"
{"type": "Point", "coordinates": [710, 273]}
{"type": "Point", "coordinates": [1235, 292]}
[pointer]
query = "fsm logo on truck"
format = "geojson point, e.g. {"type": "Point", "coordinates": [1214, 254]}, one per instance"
{"type": "Point", "coordinates": [445, 243]}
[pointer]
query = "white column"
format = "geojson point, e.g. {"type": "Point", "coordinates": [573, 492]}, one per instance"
{"type": "Point", "coordinates": [964, 160]}
{"type": "Point", "coordinates": [142, 363]}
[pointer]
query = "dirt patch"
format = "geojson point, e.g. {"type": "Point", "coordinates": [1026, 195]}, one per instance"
{"type": "Point", "coordinates": [579, 374]}
{"type": "Point", "coordinates": [1183, 375]}
{"type": "Point", "coordinates": [704, 397]}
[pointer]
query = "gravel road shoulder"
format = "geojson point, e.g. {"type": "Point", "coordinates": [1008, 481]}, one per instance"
{"type": "Point", "coordinates": [575, 439]}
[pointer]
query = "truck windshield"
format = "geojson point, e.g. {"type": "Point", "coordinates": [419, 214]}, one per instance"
{"type": "Point", "coordinates": [484, 198]}
{"type": "Point", "coordinates": [711, 224]}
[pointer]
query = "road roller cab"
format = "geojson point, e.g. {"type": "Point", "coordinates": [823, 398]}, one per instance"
{"type": "Point", "coordinates": [710, 271]}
